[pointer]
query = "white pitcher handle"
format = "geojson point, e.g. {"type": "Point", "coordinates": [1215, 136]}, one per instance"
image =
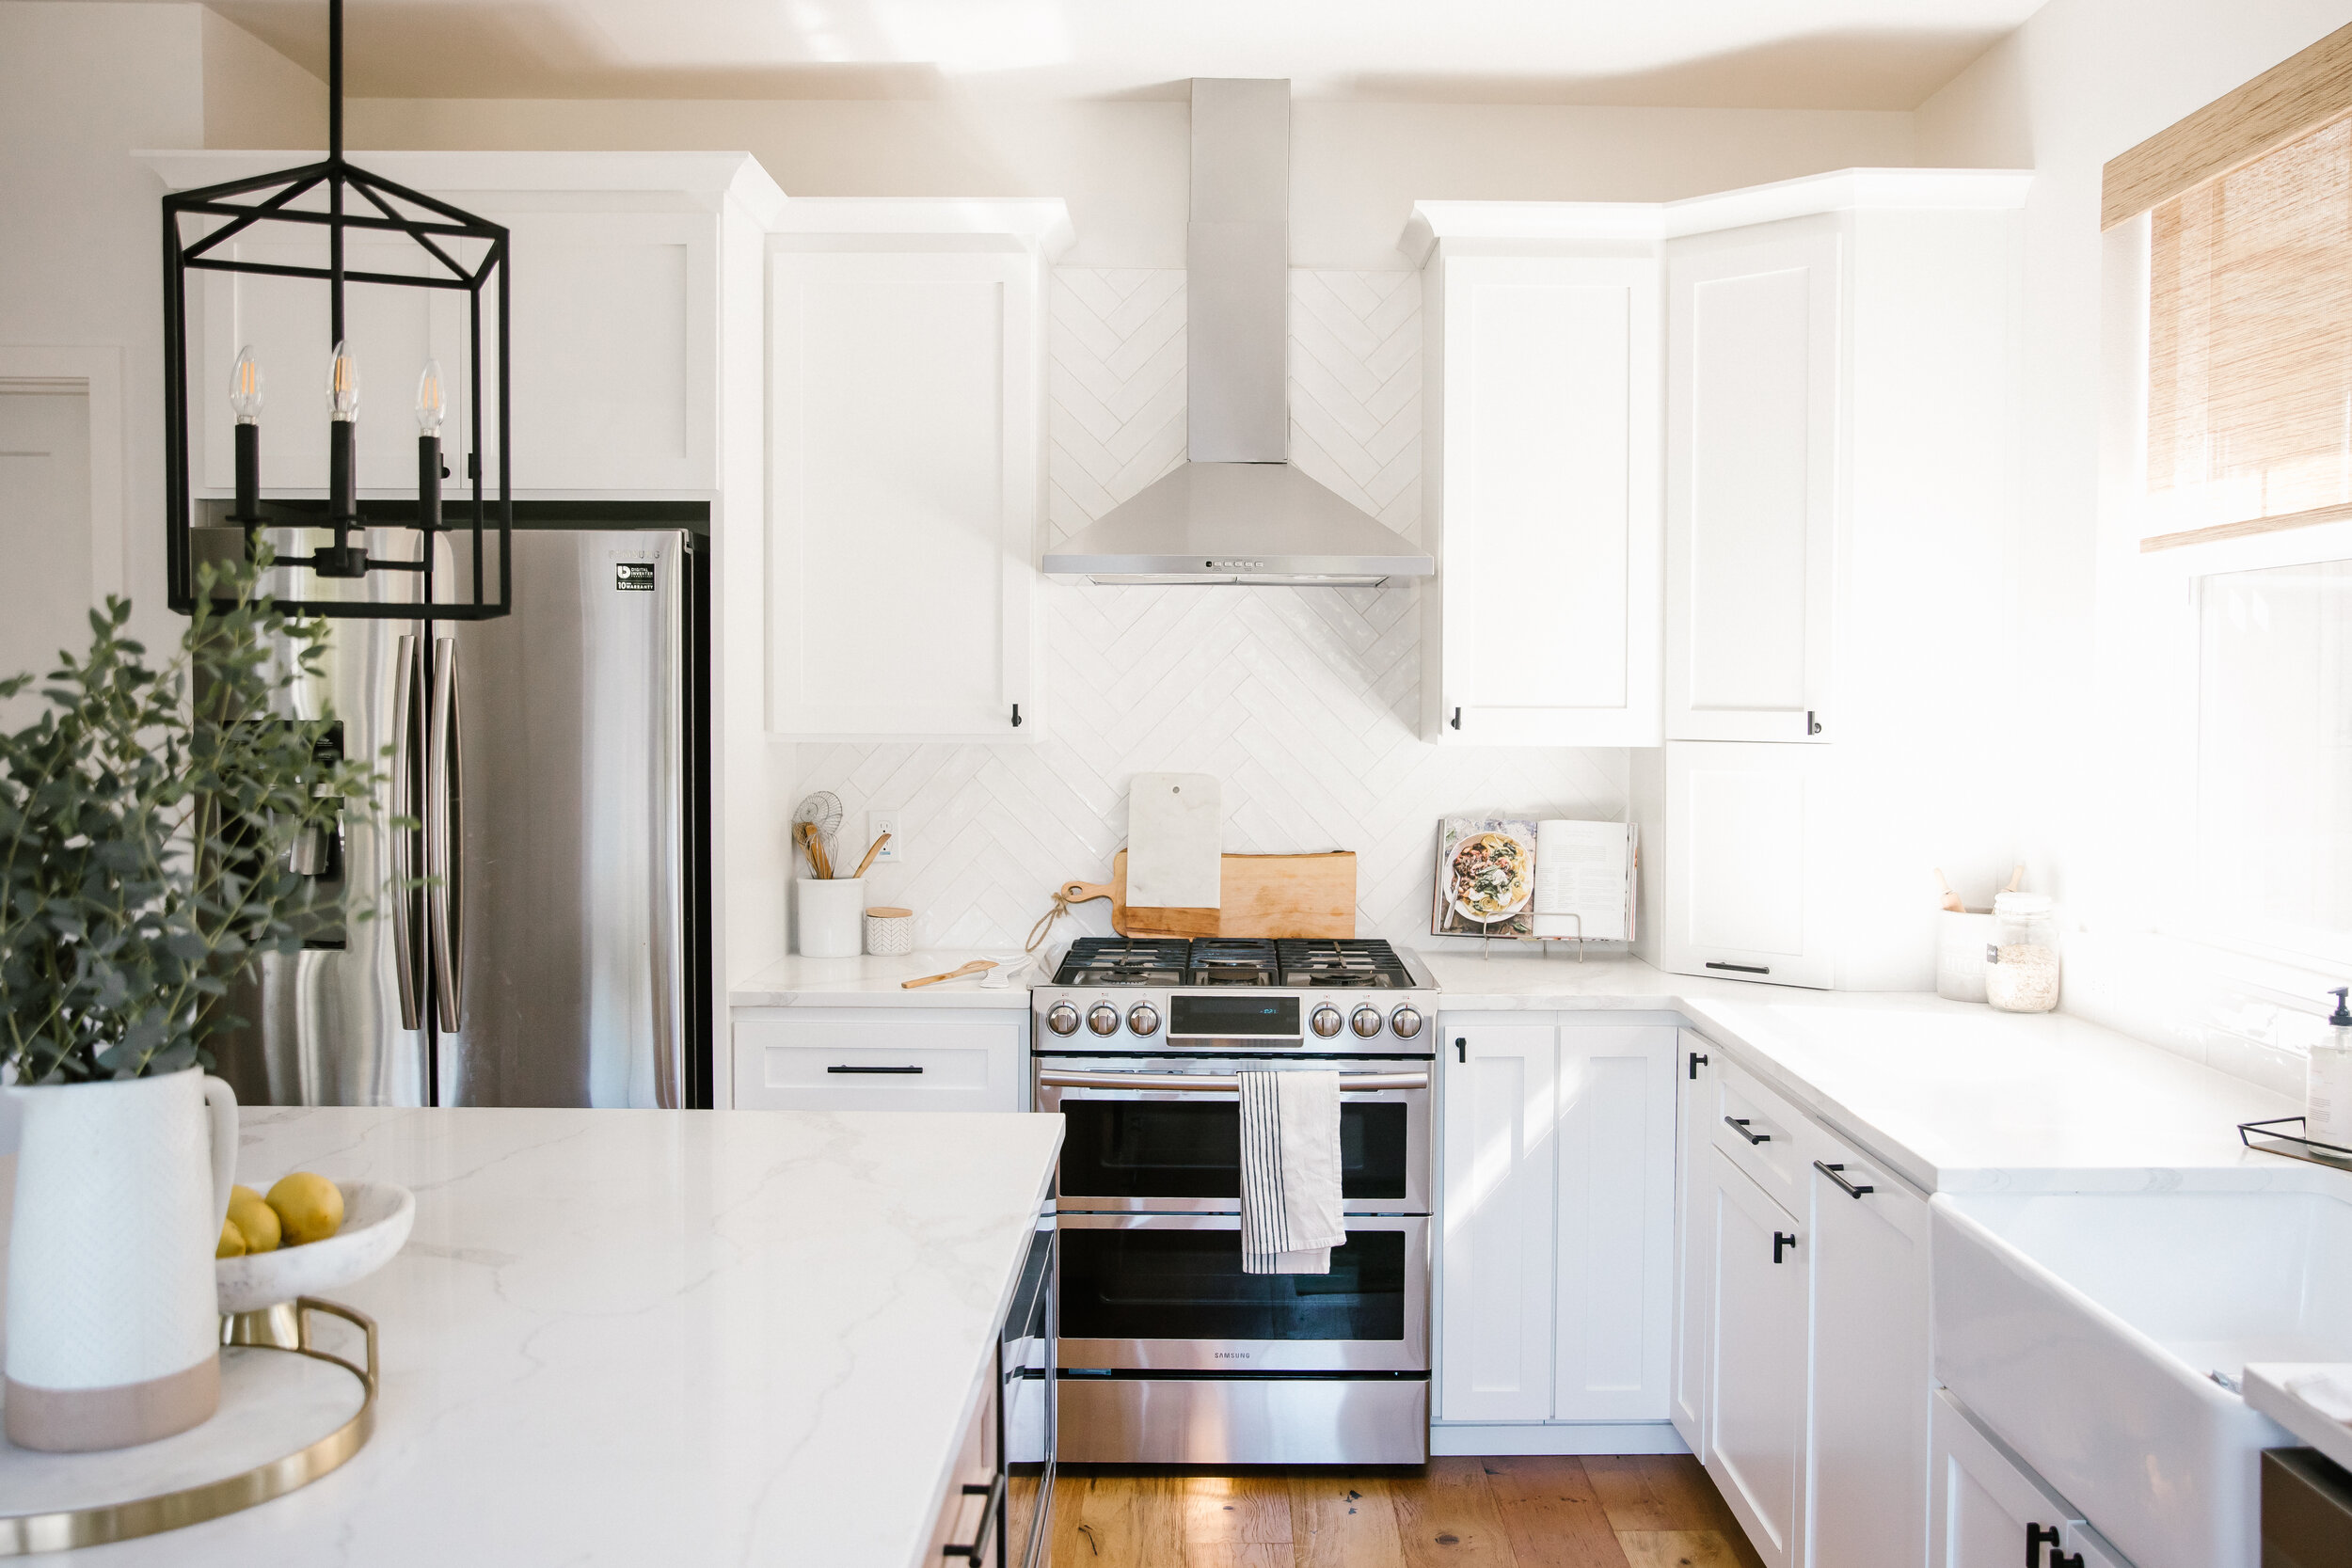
{"type": "Point", "coordinates": [220, 1108]}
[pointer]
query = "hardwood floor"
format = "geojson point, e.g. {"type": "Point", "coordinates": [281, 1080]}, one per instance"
{"type": "Point", "coordinates": [1497, 1513]}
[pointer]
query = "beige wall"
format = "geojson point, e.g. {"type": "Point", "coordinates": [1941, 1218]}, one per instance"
{"type": "Point", "coordinates": [253, 95]}
{"type": "Point", "coordinates": [1357, 168]}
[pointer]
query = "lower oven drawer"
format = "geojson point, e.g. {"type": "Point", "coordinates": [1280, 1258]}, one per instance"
{"type": "Point", "coordinates": [1166, 1292]}
{"type": "Point", "coordinates": [1215, 1420]}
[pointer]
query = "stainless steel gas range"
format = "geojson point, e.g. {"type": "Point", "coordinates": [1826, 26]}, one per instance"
{"type": "Point", "coordinates": [1169, 1354]}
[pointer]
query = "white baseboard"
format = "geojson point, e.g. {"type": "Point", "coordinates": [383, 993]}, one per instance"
{"type": "Point", "coordinates": [1579, 1437]}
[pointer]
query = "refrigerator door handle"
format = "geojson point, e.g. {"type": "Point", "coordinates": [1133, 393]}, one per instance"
{"type": "Point", "coordinates": [444, 823]}
{"type": "Point", "coordinates": [407, 939]}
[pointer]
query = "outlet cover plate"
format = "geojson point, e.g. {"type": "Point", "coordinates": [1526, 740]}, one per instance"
{"type": "Point", "coordinates": [878, 823]}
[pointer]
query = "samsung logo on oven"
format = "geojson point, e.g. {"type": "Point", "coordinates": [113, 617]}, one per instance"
{"type": "Point", "coordinates": [1233, 1354]}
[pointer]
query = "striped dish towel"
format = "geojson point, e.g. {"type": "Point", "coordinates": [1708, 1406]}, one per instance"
{"type": "Point", "coordinates": [1290, 1172]}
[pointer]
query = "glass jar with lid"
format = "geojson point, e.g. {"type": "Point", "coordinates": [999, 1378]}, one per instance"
{"type": "Point", "coordinates": [2021, 962]}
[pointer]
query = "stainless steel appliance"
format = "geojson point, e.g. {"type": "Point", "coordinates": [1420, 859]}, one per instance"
{"type": "Point", "coordinates": [546, 765]}
{"type": "Point", "coordinates": [1168, 1353]}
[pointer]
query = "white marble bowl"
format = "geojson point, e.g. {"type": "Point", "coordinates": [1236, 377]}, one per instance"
{"type": "Point", "coordinates": [376, 1217]}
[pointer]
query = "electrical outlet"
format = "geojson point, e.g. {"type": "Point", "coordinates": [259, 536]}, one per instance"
{"type": "Point", "coordinates": [878, 823]}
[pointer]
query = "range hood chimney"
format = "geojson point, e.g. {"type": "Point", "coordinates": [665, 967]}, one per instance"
{"type": "Point", "coordinates": [1236, 512]}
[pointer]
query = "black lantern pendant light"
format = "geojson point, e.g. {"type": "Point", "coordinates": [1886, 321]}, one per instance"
{"type": "Point", "coordinates": [338, 197]}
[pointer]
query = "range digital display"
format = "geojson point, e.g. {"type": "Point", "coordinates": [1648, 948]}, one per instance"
{"type": "Point", "coordinates": [1236, 1017]}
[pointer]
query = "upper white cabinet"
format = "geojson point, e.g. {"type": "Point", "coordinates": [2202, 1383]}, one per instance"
{"type": "Point", "coordinates": [1751, 398]}
{"type": "Point", "coordinates": [905, 459]}
{"type": "Point", "coordinates": [614, 284]}
{"type": "Point", "coordinates": [1557, 1199]}
{"type": "Point", "coordinates": [1540, 463]}
{"type": "Point", "coordinates": [1750, 860]}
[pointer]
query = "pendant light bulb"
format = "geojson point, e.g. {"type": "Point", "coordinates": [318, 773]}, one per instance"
{"type": "Point", "coordinates": [245, 387]}
{"type": "Point", "coordinates": [342, 384]}
{"type": "Point", "coordinates": [432, 402]}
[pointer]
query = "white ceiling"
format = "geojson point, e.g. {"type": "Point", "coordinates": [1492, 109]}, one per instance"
{"type": "Point", "coordinates": [1766, 54]}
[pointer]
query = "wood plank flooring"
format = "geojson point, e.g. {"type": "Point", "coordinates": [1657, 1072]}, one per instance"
{"type": "Point", "coordinates": [1497, 1513]}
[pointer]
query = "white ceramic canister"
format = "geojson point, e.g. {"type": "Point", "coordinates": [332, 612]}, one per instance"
{"type": "Point", "coordinates": [114, 1331]}
{"type": "Point", "coordinates": [889, 931]}
{"type": "Point", "coordinates": [1961, 939]}
{"type": "Point", "coordinates": [829, 912]}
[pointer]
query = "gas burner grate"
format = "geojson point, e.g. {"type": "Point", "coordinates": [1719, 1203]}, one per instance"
{"type": "Point", "coordinates": [1124, 962]}
{"type": "Point", "coordinates": [1336, 961]}
{"type": "Point", "coordinates": [1230, 961]}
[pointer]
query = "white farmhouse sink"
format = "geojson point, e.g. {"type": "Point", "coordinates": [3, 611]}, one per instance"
{"type": "Point", "coordinates": [2082, 1327]}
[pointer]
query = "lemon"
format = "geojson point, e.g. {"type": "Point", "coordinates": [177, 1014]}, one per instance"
{"type": "Point", "coordinates": [310, 1206]}
{"type": "Point", "coordinates": [254, 1220]}
{"type": "Point", "coordinates": [231, 1241]}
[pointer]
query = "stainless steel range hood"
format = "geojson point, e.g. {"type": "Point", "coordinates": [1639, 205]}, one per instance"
{"type": "Point", "coordinates": [1236, 512]}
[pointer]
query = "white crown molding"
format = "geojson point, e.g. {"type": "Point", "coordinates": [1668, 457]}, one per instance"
{"type": "Point", "coordinates": [1041, 224]}
{"type": "Point", "coordinates": [1580, 222]}
{"type": "Point", "coordinates": [705, 179]}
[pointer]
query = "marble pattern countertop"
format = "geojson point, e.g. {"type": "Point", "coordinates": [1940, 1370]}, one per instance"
{"type": "Point", "coordinates": [1952, 1094]}
{"type": "Point", "coordinates": [871, 982]}
{"type": "Point", "coordinates": [652, 1336]}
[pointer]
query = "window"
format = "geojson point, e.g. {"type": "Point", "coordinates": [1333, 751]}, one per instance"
{"type": "Point", "coordinates": [2274, 759]}
{"type": "Point", "coordinates": [2249, 344]}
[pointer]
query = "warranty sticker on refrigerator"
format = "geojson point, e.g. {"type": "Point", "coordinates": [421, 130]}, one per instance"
{"type": "Point", "coordinates": [633, 577]}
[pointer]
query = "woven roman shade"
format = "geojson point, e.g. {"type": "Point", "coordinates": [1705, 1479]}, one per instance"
{"type": "Point", "coordinates": [2249, 345]}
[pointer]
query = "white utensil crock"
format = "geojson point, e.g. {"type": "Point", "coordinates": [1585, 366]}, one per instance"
{"type": "Point", "coordinates": [121, 1185]}
{"type": "Point", "coordinates": [830, 911]}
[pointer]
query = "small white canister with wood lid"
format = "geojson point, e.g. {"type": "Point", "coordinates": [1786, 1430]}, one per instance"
{"type": "Point", "coordinates": [889, 931]}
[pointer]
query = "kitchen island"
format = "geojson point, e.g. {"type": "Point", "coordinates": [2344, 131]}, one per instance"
{"type": "Point", "coordinates": [650, 1337]}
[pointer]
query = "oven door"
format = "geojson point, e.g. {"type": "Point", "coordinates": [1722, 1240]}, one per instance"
{"type": "Point", "coordinates": [1166, 1292]}
{"type": "Point", "coordinates": [1177, 1149]}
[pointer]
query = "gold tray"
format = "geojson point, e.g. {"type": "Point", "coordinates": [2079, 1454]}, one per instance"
{"type": "Point", "coordinates": [285, 1327]}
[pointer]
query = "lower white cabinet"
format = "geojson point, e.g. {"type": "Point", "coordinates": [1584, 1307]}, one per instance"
{"type": "Point", "coordinates": [1757, 1382]}
{"type": "Point", "coordinates": [1556, 1202]}
{"type": "Point", "coordinates": [1694, 1243]}
{"type": "Point", "coordinates": [879, 1060]}
{"type": "Point", "coordinates": [1750, 863]}
{"type": "Point", "coordinates": [1988, 1509]}
{"type": "Point", "coordinates": [1870, 1367]}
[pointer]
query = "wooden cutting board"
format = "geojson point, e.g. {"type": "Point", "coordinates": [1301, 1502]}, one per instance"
{"type": "Point", "coordinates": [1260, 896]}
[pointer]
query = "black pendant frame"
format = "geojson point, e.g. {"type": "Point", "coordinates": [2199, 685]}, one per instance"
{"type": "Point", "coordinates": [387, 207]}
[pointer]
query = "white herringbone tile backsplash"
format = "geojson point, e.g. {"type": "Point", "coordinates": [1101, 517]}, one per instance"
{"type": "Point", "coordinates": [1303, 702]}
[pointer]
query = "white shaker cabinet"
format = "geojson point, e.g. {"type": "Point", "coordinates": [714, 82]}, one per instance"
{"type": "Point", "coordinates": [1556, 1208]}
{"type": "Point", "coordinates": [1872, 1380]}
{"type": "Point", "coordinates": [906, 462]}
{"type": "Point", "coordinates": [1755, 1384]}
{"type": "Point", "coordinates": [1749, 862]}
{"type": "Point", "coordinates": [1497, 1211]}
{"type": "Point", "coordinates": [1987, 1510]}
{"type": "Point", "coordinates": [1752, 397]}
{"type": "Point", "coordinates": [1694, 1237]}
{"type": "Point", "coordinates": [879, 1060]}
{"type": "Point", "coordinates": [1540, 496]}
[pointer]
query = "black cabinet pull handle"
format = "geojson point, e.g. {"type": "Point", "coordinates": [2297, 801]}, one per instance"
{"type": "Point", "coordinates": [880, 1069]}
{"type": "Point", "coordinates": [1782, 1242]}
{"type": "Point", "coordinates": [1739, 1125]}
{"type": "Point", "coordinates": [978, 1549]}
{"type": "Point", "coordinates": [1741, 969]}
{"type": "Point", "coordinates": [1016, 716]}
{"type": "Point", "coordinates": [2036, 1535]}
{"type": "Point", "coordinates": [2066, 1559]}
{"type": "Point", "coordinates": [1812, 725]}
{"type": "Point", "coordinates": [1461, 1050]}
{"type": "Point", "coordinates": [1696, 1057]}
{"type": "Point", "coordinates": [1458, 718]}
{"type": "Point", "coordinates": [1836, 1174]}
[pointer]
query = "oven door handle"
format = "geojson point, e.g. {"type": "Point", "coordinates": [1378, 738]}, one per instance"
{"type": "Point", "coordinates": [1203, 1083]}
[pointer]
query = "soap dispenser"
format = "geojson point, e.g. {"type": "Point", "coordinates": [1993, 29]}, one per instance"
{"type": "Point", "coordinates": [2327, 1085]}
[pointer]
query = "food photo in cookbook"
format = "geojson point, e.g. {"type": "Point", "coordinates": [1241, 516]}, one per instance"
{"type": "Point", "coordinates": [1486, 880]}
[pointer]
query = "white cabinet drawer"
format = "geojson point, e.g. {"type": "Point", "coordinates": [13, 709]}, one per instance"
{"type": "Point", "coordinates": [873, 1059]}
{"type": "Point", "coordinates": [1765, 1137]}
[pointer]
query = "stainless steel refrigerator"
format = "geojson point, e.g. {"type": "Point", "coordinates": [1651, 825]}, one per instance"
{"type": "Point", "coordinates": [549, 763]}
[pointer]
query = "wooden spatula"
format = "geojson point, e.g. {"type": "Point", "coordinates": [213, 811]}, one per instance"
{"type": "Point", "coordinates": [972, 968]}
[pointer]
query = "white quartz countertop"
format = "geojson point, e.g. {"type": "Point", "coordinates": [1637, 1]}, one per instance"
{"type": "Point", "coordinates": [869, 982]}
{"type": "Point", "coordinates": [654, 1336]}
{"type": "Point", "coordinates": [1953, 1093]}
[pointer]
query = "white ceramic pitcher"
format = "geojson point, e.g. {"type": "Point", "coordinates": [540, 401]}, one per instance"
{"type": "Point", "coordinates": [114, 1333]}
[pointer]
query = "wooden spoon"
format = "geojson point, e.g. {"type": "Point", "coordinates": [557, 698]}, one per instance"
{"type": "Point", "coordinates": [1951, 900]}
{"type": "Point", "coordinates": [870, 853]}
{"type": "Point", "coordinates": [972, 968]}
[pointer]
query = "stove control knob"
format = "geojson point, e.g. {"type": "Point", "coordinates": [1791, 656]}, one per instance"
{"type": "Point", "coordinates": [1143, 1019]}
{"type": "Point", "coordinates": [1103, 1019]}
{"type": "Point", "coordinates": [1365, 1020]}
{"type": "Point", "coordinates": [1326, 1020]}
{"type": "Point", "coordinates": [1406, 1021]}
{"type": "Point", "coordinates": [1062, 1018]}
